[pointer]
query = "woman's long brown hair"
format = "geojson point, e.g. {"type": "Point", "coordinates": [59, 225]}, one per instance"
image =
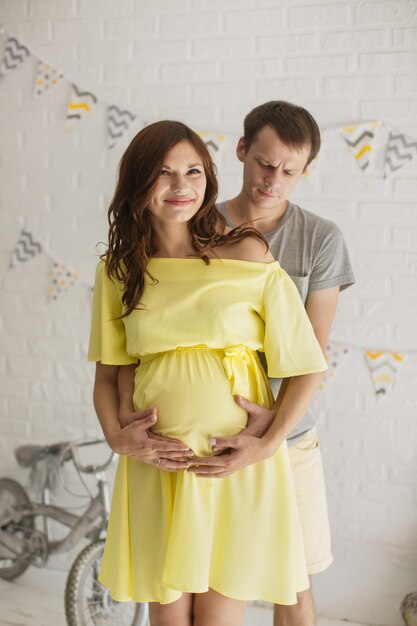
{"type": "Point", "coordinates": [131, 237]}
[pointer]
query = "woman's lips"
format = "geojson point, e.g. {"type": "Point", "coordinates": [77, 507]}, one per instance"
{"type": "Point", "coordinates": [179, 201]}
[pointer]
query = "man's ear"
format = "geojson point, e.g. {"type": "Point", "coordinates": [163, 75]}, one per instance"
{"type": "Point", "coordinates": [240, 150]}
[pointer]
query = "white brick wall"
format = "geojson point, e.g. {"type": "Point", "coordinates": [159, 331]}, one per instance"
{"type": "Point", "coordinates": [207, 63]}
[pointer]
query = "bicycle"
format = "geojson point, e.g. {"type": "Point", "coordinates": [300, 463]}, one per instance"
{"type": "Point", "coordinates": [25, 537]}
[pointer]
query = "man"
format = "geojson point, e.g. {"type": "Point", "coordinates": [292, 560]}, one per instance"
{"type": "Point", "coordinates": [280, 141]}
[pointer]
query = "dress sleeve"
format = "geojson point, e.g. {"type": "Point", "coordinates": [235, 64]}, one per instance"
{"type": "Point", "coordinates": [108, 335]}
{"type": "Point", "coordinates": [291, 347]}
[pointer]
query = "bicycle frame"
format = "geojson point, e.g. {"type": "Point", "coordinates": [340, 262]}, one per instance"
{"type": "Point", "coordinates": [81, 525]}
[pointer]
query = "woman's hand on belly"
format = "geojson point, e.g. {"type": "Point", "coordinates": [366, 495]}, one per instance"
{"type": "Point", "coordinates": [135, 439]}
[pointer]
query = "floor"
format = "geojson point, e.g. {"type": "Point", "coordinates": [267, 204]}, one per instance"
{"type": "Point", "coordinates": [36, 599]}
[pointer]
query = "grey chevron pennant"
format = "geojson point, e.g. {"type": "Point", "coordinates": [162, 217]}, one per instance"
{"type": "Point", "coordinates": [26, 248]}
{"type": "Point", "coordinates": [14, 54]}
{"type": "Point", "coordinates": [401, 149]}
{"type": "Point", "coordinates": [118, 122]}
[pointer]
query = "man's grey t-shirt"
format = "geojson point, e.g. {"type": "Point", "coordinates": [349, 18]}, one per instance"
{"type": "Point", "coordinates": [313, 252]}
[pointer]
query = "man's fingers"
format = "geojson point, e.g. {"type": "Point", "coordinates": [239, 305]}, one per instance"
{"type": "Point", "coordinates": [168, 465]}
{"type": "Point", "coordinates": [162, 438]}
{"type": "Point", "coordinates": [143, 423]}
{"type": "Point", "coordinates": [219, 443]}
{"type": "Point", "coordinates": [250, 407]}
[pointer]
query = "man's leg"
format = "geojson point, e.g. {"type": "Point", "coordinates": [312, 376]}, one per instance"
{"type": "Point", "coordinates": [310, 489]}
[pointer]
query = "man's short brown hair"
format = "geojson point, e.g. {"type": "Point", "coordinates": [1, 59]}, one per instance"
{"type": "Point", "coordinates": [294, 125]}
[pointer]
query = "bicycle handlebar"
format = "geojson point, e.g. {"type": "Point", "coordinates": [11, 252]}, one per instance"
{"type": "Point", "coordinates": [72, 448]}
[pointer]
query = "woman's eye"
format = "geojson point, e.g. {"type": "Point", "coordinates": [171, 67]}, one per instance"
{"type": "Point", "coordinates": [194, 170]}
{"type": "Point", "coordinates": [164, 173]}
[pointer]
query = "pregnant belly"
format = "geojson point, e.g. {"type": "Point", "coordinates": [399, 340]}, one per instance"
{"type": "Point", "coordinates": [194, 396]}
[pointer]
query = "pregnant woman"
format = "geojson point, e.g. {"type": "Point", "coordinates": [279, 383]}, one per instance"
{"type": "Point", "coordinates": [191, 304]}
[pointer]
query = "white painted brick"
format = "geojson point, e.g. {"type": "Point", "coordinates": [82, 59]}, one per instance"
{"type": "Point", "coordinates": [389, 109]}
{"type": "Point", "coordinates": [129, 74]}
{"type": "Point", "coordinates": [153, 51]}
{"type": "Point", "coordinates": [328, 113]}
{"type": "Point", "coordinates": [223, 49]}
{"type": "Point", "coordinates": [161, 6]}
{"type": "Point", "coordinates": [30, 32]}
{"type": "Point", "coordinates": [43, 348]}
{"type": "Point", "coordinates": [354, 40]}
{"type": "Point", "coordinates": [388, 61]}
{"type": "Point", "coordinates": [109, 8]}
{"type": "Point", "coordinates": [55, 392]}
{"type": "Point", "coordinates": [352, 85]}
{"type": "Point", "coordinates": [2, 365]}
{"type": "Point", "coordinates": [174, 94]}
{"type": "Point", "coordinates": [73, 31]}
{"type": "Point", "coordinates": [405, 186]}
{"type": "Point", "coordinates": [11, 387]}
{"type": "Point", "coordinates": [256, 68]}
{"type": "Point", "coordinates": [20, 323]}
{"type": "Point", "coordinates": [60, 57]}
{"type": "Point", "coordinates": [112, 53]}
{"type": "Point", "coordinates": [68, 371]}
{"type": "Point", "coordinates": [404, 237]}
{"type": "Point", "coordinates": [385, 12]}
{"type": "Point", "coordinates": [189, 72]}
{"type": "Point", "coordinates": [14, 9]}
{"type": "Point", "coordinates": [319, 16]}
{"type": "Point", "coordinates": [131, 28]}
{"type": "Point", "coordinates": [246, 22]}
{"type": "Point", "coordinates": [355, 185]}
{"type": "Point", "coordinates": [291, 89]}
{"type": "Point", "coordinates": [18, 408]}
{"type": "Point", "coordinates": [189, 26]}
{"type": "Point", "coordinates": [284, 44]}
{"type": "Point", "coordinates": [223, 93]}
{"type": "Point", "coordinates": [314, 65]}
{"type": "Point", "coordinates": [406, 37]}
{"type": "Point", "coordinates": [30, 369]}
{"type": "Point", "coordinates": [405, 84]}
{"type": "Point", "coordinates": [387, 212]}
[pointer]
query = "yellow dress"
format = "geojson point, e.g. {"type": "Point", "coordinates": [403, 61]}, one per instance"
{"type": "Point", "coordinates": [197, 342]}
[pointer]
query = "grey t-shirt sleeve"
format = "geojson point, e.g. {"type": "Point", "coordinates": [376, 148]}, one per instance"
{"type": "Point", "coordinates": [331, 264]}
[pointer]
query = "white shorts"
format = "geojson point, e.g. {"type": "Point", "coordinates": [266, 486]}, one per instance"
{"type": "Point", "coordinates": [310, 489]}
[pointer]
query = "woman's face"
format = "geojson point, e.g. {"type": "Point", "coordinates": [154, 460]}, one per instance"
{"type": "Point", "coordinates": [179, 190]}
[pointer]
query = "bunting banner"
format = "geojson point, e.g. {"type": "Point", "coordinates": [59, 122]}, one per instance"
{"type": "Point", "coordinates": [213, 141]}
{"type": "Point", "coordinates": [360, 139]}
{"type": "Point", "coordinates": [61, 278]}
{"type": "Point", "coordinates": [46, 78]}
{"type": "Point", "coordinates": [118, 121]}
{"type": "Point", "coordinates": [25, 249]}
{"type": "Point", "coordinates": [383, 367]}
{"type": "Point", "coordinates": [335, 356]}
{"type": "Point", "coordinates": [401, 149]}
{"type": "Point", "coordinates": [79, 105]}
{"type": "Point", "coordinates": [14, 54]}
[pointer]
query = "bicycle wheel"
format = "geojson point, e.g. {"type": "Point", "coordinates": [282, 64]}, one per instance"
{"type": "Point", "coordinates": [88, 603]}
{"type": "Point", "coordinates": [14, 556]}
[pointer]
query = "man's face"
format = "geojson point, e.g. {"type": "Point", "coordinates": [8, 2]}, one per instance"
{"type": "Point", "coordinates": [270, 169]}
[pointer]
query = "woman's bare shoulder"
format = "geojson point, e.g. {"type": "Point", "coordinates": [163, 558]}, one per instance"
{"type": "Point", "coordinates": [247, 249]}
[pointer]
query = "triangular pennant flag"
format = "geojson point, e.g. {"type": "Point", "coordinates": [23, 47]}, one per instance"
{"type": "Point", "coordinates": [118, 121]}
{"type": "Point", "coordinates": [383, 367]}
{"type": "Point", "coordinates": [213, 141]}
{"type": "Point", "coordinates": [335, 355]}
{"type": "Point", "coordinates": [401, 149]}
{"type": "Point", "coordinates": [79, 105]}
{"type": "Point", "coordinates": [360, 139]}
{"type": "Point", "coordinates": [26, 248]}
{"type": "Point", "coordinates": [14, 54]}
{"type": "Point", "coordinates": [61, 279]}
{"type": "Point", "coordinates": [46, 78]}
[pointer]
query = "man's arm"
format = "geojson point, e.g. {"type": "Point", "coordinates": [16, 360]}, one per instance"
{"type": "Point", "coordinates": [272, 426]}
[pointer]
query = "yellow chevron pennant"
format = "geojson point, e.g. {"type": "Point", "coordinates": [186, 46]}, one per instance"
{"type": "Point", "coordinates": [213, 141]}
{"type": "Point", "coordinates": [46, 78]}
{"type": "Point", "coordinates": [61, 278]}
{"type": "Point", "coordinates": [383, 367]}
{"type": "Point", "coordinates": [79, 105]}
{"type": "Point", "coordinates": [360, 139]}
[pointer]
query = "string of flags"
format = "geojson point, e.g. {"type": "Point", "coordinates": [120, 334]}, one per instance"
{"type": "Point", "coordinates": [377, 148]}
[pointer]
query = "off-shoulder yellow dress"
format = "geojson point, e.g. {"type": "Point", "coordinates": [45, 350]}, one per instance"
{"type": "Point", "coordinates": [197, 342]}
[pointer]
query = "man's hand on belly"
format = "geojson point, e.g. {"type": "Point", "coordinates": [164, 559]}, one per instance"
{"type": "Point", "coordinates": [259, 417]}
{"type": "Point", "coordinates": [242, 450]}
